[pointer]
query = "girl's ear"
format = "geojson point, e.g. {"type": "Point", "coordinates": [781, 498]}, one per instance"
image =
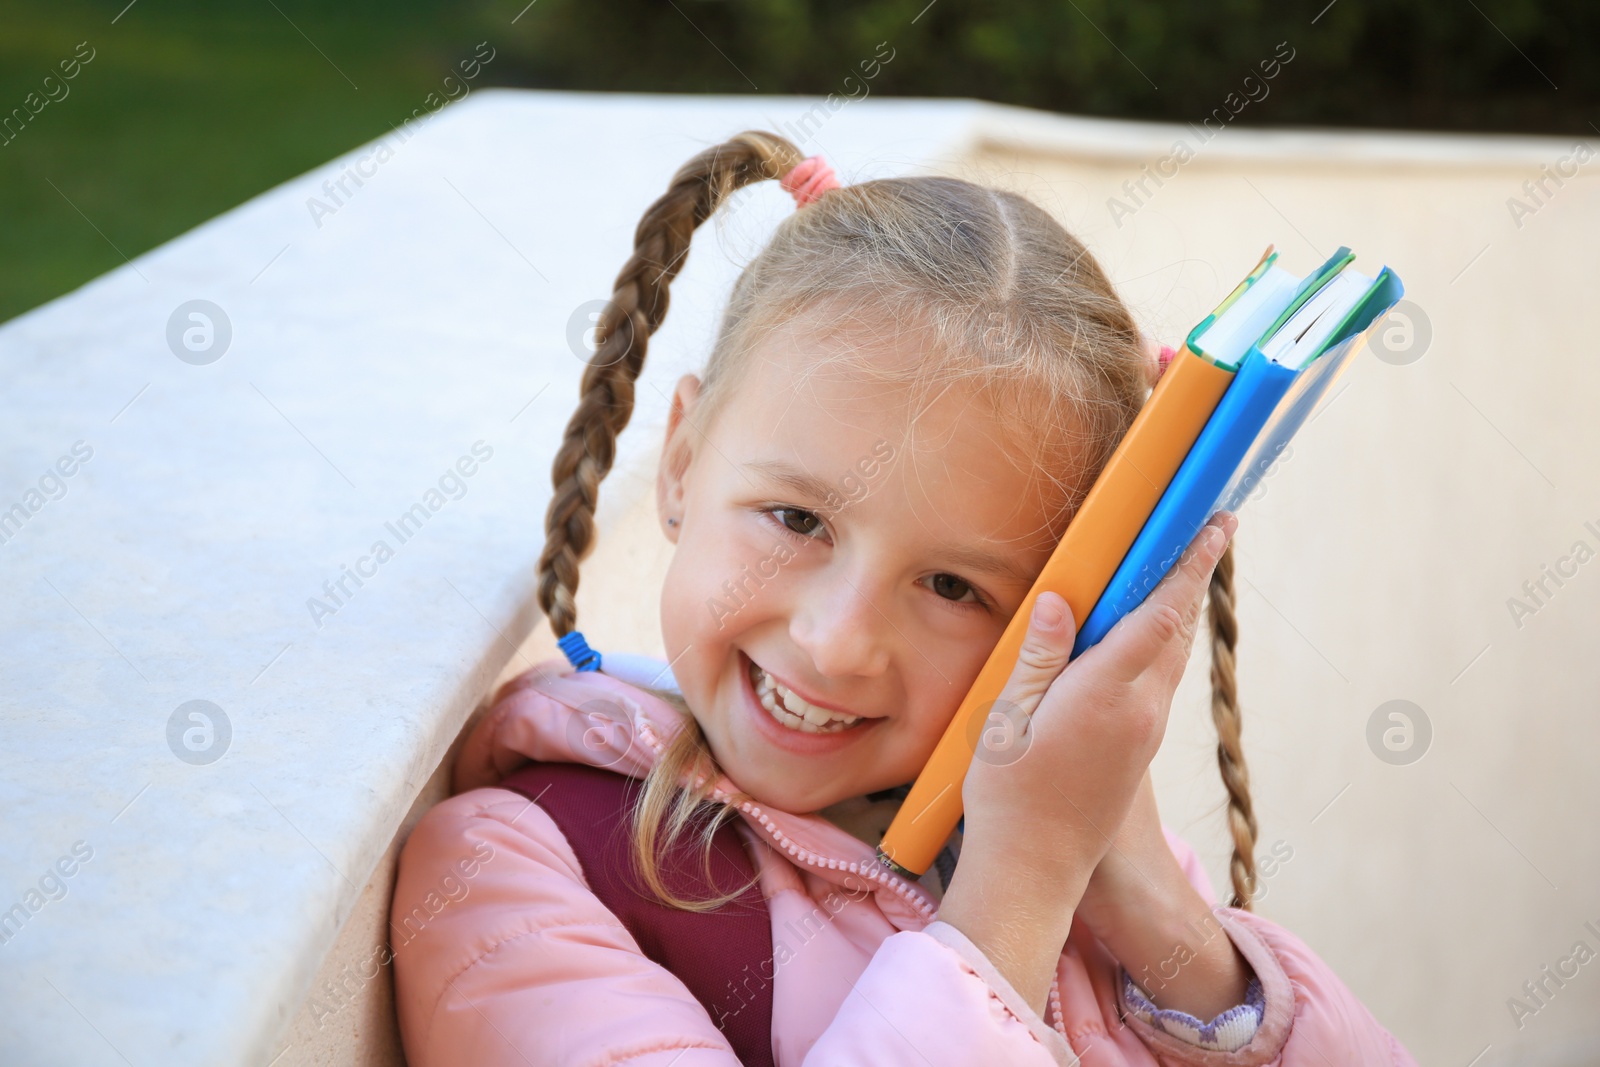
{"type": "Point", "coordinates": [676, 455]}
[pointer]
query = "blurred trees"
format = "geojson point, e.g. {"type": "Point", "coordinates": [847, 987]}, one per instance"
{"type": "Point", "coordinates": [1505, 65]}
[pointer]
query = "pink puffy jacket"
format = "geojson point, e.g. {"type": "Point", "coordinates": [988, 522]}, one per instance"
{"type": "Point", "coordinates": [504, 957]}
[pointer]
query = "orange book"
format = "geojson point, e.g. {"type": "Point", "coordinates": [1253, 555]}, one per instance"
{"type": "Point", "coordinates": [1097, 538]}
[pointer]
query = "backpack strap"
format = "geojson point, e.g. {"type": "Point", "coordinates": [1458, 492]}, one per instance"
{"type": "Point", "coordinates": [724, 957]}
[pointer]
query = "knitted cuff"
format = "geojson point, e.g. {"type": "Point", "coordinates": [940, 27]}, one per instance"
{"type": "Point", "coordinates": [1229, 1031]}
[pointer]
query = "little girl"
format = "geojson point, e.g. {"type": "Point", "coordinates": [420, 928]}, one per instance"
{"type": "Point", "coordinates": [913, 387]}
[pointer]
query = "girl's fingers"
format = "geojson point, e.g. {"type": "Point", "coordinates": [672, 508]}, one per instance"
{"type": "Point", "coordinates": [1043, 654]}
{"type": "Point", "coordinates": [1204, 555]}
{"type": "Point", "coordinates": [1166, 620]}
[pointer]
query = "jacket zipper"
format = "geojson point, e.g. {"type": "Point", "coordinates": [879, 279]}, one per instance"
{"type": "Point", "coordinates": [874, 872]}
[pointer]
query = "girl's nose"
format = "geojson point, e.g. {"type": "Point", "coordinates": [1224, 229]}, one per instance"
{"type": "Point", "coordinates": [842, 621]}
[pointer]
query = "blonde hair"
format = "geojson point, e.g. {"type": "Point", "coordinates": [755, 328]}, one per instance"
{"type": "Point", "coordinates": [1011, 304]}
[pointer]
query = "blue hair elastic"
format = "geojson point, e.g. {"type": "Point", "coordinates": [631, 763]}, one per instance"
{"type": "Point", "coordinates": [579, 654]}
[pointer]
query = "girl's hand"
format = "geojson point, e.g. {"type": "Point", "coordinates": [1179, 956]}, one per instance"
{"type": "Point", "coordinates": [1036, 828]}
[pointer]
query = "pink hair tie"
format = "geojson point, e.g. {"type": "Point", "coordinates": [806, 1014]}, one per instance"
{"type": "Point", "coordinates": [1167, 352]}
{"type": "Point", "coordinates": [809, 179]}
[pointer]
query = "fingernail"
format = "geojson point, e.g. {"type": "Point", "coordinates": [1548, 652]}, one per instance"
{"type": "Point", "coordinates": [1047, 614]}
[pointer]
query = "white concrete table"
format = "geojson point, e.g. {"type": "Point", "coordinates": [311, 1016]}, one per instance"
{"type": "Point", "coordinates": [316, 508]}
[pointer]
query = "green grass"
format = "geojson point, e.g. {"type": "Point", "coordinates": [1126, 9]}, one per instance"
{"type": "Point", "coordinates": [187, 110]}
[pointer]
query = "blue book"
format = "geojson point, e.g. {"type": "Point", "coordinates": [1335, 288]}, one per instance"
{"type": "Point", "coordinates": [1279, 384]}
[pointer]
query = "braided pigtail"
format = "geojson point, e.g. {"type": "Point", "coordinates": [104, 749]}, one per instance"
{"type": "Point", "coordinates": [637, 307]}
{"type": "Point", "coordinates": [1230, 747]}
{"type": "Point", "coordinates": [663, 811]}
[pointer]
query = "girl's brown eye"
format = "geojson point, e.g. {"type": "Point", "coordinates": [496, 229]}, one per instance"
{"type": "Point", "coordinates": [806, 519]}
{"type": "Point", "coordinates": [961, 587]}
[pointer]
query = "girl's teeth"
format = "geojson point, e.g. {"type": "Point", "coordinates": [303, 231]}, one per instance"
{"type": "Point", "coordinates": [777, 699]}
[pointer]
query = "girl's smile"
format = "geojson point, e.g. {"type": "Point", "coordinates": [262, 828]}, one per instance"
{"type": "Point", "coordinates": [791, 732]}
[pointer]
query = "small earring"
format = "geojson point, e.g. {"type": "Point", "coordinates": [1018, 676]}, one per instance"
{"type": "Point", "coordinates": [672, 522]}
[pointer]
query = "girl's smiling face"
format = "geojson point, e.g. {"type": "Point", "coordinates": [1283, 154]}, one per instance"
{"type": "Point", "coordinates": [870, 578]}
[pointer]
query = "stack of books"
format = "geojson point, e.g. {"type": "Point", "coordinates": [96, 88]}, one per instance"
{"type": "Point", "coordinates": [1248, 377]}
